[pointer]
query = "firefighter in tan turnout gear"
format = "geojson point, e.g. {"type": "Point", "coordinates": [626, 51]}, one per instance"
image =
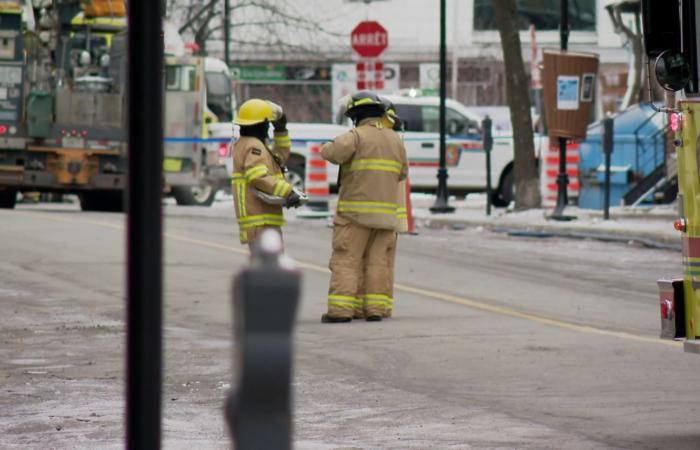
{"type": "Point", "coordinates": [392, 121]}
{"type": "Point", "coordinates": [372, 161]}
{"type": "Point", "coordinates": [259, 186]}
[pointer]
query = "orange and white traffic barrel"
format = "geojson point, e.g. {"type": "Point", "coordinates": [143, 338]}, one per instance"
{"type": "Point", "coordinates": [316, 183]}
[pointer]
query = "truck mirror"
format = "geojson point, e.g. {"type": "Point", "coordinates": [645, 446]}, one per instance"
{"type": "Point", "coordinates": [672, 71]}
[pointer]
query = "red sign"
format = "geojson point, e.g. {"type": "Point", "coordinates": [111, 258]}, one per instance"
{"type": "Point", "coordinates": [370, 74]}
{"type": "Point", "coordinates": [369, 39]}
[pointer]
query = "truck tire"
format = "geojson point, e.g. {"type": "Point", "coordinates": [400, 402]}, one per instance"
{"type": "Point", "coordinates": [103, 201]}
{"type": "Point", "coordinates": [202, 195]}
{"type": "Point", "coordinates": [506, 190]}
{"type": "Point", "coordinates": [297, 173]}
{"type": "Point", "coordinates": [8, 198]}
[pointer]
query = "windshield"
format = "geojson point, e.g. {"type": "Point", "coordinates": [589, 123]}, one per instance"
{"type": "Point", "coordinates": [218, 84]}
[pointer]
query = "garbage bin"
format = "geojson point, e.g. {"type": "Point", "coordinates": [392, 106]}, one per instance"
{"type": "Point", "coordinates": [569, 81]}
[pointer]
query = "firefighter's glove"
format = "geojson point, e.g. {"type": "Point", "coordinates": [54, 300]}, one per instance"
{"type": "Point", "coordinates": [281, 123]}
{"type": "Point", "coordinates": [293, 199]}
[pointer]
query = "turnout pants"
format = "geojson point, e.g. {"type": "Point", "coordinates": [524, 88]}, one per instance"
{"type": "Point", "coordinates": [361, 263]}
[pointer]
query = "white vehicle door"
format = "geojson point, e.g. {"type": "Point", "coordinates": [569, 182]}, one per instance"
{"type": "Point", "coordinates": [184, 100]}
{"type": "Point", "coordinates": [465, 158]}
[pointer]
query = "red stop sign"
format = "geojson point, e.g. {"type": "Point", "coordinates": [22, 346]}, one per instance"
{"type": "Point", "coordinates": [369, 39]}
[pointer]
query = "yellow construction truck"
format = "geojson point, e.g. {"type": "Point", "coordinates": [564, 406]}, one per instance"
{"type": "Point", "coordinates": [672, 44]}
{"type": "Point", "coordinates": [63, 108]}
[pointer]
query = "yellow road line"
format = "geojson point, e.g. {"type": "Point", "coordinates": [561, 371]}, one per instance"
{"type": "Point", "coordinates": [450, 298]}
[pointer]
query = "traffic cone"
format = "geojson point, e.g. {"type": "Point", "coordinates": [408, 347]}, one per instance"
{"type": "Point", "coordinates": [411, 228]}
{"type": "Point", "coordinates": [316, 185]}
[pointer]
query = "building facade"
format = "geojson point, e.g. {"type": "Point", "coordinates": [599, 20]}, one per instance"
{"type": "Point", "coordinates": [291, 60]}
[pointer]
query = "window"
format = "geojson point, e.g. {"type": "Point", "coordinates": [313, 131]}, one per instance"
{"type": "Point", "coordinates": [544, 14]}
{"type": "Point", "coordinates": [180, 78]}
{"type": "Point", "coordinates": [456, 123]}
{"type": "Point", "coordinates": [411, 116]}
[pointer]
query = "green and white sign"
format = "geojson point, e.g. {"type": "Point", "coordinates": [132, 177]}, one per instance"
{"type": "Point", "coordinates": [259, 73]}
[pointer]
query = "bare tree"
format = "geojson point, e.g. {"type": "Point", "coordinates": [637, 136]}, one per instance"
{"type": "Point", "coordinates": [634, 93]}
{"type": "Point", "coordinates": [527, 191]}
{"type": "Point", "coordinates": [258, 25]}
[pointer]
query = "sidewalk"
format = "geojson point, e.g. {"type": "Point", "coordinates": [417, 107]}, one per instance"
{"type": "Point", "coordinates": [650, 226]}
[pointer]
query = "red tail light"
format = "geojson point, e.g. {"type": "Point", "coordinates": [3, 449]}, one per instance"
{"type": "Point", "coordinates": [680, 225]}
{"type": "Point", "coordinates": [224, 149]}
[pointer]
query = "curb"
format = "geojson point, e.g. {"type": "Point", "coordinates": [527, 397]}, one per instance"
{"type": "Point", "coordinates": [651, 240]}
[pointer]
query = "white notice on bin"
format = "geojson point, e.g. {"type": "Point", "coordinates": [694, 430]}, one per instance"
{"type": "Point", "coordinates": [567, 92]}
{"type": "Point", "coordinates": [3, 93]}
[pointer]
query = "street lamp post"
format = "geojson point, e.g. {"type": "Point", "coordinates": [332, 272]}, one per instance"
{"type": "Point", "coordinates": [227, 32]}
{"type": "Point", "coordinates": [440, 205]}
{"type": "Point", "coordinates": [144, 226]}
{"type": "Point", "coordinates": [562, 177]}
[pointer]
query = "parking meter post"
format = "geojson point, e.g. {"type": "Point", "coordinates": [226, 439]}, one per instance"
{"type": "Point", "coordinates": [608, 146]}
{"type": "Point", "coordinates": [486, 126]}
{"type": "Point", "coordinates": [265, 298]}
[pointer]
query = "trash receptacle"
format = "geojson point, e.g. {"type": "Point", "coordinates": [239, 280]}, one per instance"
{"type": "Point", "coordinates": [569, 82]}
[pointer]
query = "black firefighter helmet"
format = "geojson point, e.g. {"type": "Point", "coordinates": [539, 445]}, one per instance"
{"type": "Point", "coordinates": [364, 104]}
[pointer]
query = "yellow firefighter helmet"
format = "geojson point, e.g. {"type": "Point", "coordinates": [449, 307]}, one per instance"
{"type": "Point", "coordinates": [254, 111]}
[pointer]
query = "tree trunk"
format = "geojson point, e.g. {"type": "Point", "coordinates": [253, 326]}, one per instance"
{"type": "Point", "coordinates": [527, 189]}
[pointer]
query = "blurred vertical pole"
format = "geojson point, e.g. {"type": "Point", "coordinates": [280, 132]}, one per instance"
{"type": "Point", "coordinates": [608, 133]}
{"type": "Point", "coordinates": [562, 177]}
{"type": "Point", "coordinates": [144, 225]}
{"type": "Point", "coordinates": [486, 128]}
{"type": "Point", "coordinates": [440, 205]}
{"type": "Point", "coordinates": [227, 32]}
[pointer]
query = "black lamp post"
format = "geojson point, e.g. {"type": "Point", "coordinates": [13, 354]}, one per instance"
{"type": "Point", "coordinates": [440, 205]}
{"type": "Point", "coordinates": [562, 177]}
{"type": "Point", "coordinates": [144, 226]}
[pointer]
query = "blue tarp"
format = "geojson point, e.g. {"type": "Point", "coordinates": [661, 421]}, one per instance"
{"type": "Point", "coordinates": [639, 147]}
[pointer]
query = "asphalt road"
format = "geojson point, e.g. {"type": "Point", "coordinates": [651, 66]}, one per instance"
{"type": "Point", "coordinates": [497, 342]}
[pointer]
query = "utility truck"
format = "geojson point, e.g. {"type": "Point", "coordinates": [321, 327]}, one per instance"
{"type": "Point", "coordinates": [63, 108]}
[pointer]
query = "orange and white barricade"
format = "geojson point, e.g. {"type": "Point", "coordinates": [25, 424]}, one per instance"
{"type": "Point", "coordinates": [549, 166]}
{"type": "Point", "coordinates": [405, 211]}
{"type": "Point", "coordinates": [316, 183]}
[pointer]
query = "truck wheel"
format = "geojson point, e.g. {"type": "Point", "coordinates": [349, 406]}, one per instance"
{"type": "Point", "coordinates": [297, 173]}
{"type": "Point", "coordinates": [106, 201]}
{"type": "Point", "coordinates": [202, 195]}
{"type": "Point", "coordinates": [8, 198]}
{"type": "Point", "coordinates": [506, 190]}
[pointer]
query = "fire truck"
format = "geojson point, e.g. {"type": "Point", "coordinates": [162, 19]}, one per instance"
{"type": "Point", "coordinates": [63, 108]}
{"type": "Point", "coordinates": [672, 45]}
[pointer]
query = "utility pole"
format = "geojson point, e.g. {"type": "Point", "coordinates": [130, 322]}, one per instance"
{"type": "Point", "coordinates": [440, 205]}
{"type": "Point", "coordinates": [562, 177]}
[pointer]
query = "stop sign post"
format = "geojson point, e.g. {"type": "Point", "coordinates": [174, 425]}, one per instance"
{"type": "Point", "coordinates": [369, 39]}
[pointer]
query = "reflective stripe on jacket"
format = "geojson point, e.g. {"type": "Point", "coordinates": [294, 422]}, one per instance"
{"type": "Point", "coordinates": [254, 167]}
{"type": "Point", "coordinates": [373, 161]}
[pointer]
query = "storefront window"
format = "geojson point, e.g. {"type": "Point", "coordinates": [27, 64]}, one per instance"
{"type": "Point", "coordinates": [544, 14]}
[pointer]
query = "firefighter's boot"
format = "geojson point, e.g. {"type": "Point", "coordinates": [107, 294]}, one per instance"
{"type": "Point", "coordinates": [327, 318]}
